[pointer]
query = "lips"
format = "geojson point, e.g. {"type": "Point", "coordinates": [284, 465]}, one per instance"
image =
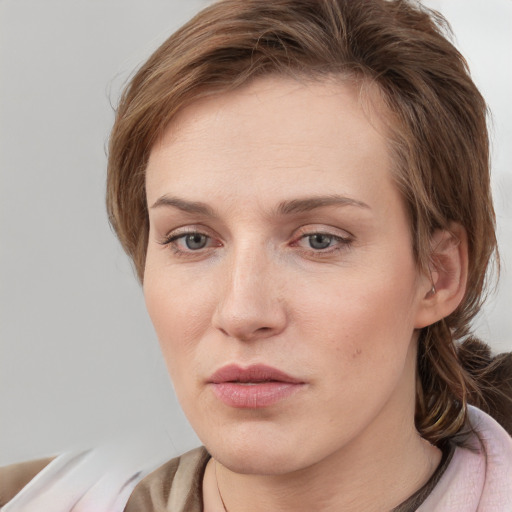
{"type": "Point", "coordinates": [253, 387]}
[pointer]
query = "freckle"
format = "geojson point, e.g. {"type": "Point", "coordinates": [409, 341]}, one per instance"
{"type": "Point", "coordinates": [357, 352]}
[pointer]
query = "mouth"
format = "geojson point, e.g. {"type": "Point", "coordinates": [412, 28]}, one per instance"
{"type": "Point", "coordinates": [254, 387]}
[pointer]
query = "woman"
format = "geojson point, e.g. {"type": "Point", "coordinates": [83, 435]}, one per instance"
{"type": "Point", "coordinates": [303, 188]}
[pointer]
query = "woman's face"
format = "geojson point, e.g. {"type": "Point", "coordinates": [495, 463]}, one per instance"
{"type": "Point", "coordinates": [280, 276]}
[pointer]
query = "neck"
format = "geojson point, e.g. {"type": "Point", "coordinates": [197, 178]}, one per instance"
{"type": "Point", "coordinates": [369, 480]}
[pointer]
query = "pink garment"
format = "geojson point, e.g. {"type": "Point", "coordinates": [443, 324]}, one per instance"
{"type": "Point", "coordinates": [477, 481]}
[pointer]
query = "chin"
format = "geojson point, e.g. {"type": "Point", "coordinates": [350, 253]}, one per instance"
{"type": "Point", "coordinates": [260, 462]}
{"type": "Point", "coordinates": [259, 451]}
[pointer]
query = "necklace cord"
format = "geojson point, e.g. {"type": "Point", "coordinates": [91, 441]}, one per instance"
{"type": "Point", "coordinates": [218, 488]}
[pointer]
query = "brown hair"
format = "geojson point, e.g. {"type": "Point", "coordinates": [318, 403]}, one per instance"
{"type": "Point", "coordinates": [438, 135]}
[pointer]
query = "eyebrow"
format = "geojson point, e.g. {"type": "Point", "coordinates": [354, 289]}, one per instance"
{"type": "Point", "coordinates": [312, 203]}
{"type": "Point", "coordinates": [284, 208]}
{"type": "Point", "coordinates": [185, 206]}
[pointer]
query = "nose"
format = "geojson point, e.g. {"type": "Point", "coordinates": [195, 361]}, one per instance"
{"type": "Point", "coordinates": [251, 305]}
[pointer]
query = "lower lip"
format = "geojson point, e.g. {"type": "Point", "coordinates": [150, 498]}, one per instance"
{"type": "Point", "coordinates": [254, 396]}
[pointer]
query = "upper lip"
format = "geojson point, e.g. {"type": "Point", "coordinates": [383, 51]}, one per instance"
{"type": "Point", "coordinates": [253, 373]}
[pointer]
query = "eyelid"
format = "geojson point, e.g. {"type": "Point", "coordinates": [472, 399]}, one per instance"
{"type": "Point", "coordinates": [178, 232]}
{"type": "Point", "coordinates": [171, 241]}
{"type": "Point", "coordinates": [343, 240]}
{"type": "Point", "coordinates": [322, 229]}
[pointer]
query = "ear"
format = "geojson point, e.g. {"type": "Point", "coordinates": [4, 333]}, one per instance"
{"type": "Point", "coordinates": [443, 289]}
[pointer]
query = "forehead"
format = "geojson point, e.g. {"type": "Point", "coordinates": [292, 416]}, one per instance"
{"type": "Point", "coordinates": [268, 100]}
{"type": "Point", "coordinates": [274, 131]}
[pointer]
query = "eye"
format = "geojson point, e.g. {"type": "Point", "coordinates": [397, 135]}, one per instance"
{"type": "Point", "coordinates": [188, 242]}
{"type": "Point", "coordinates": [320, 240]}
{"type": "Point", "coordinates": [321, 243]}
{"type": "Point", "coordinates": [195, 241]}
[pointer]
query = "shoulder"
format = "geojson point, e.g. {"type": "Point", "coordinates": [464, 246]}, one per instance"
{"type": "Point", "coordinates": [16, 476]}
{"type": "Point", "coordinates": [479, 476]}
{"type": "Point", "coordinates": [176, 485]}
{"type": "Point", "coordinates": [104, 480]}
{"type": "Point", "coordinates": [497, 453]}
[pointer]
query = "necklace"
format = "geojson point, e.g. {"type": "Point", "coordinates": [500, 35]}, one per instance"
{"type": "Point", "coordinates": [218, 489]}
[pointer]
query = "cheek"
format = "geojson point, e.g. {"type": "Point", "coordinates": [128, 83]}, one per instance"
{"type": "Point", "coordinates": [359, 350]}
{"type": "Point", "coordinates": [179, 316]}
{"type": "Point", "coordinates": [363, 320]}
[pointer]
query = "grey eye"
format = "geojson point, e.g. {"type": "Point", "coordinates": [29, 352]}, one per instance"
{"type": "Point", "coordinates": [320, 241]}
{"type": "Point", "coordinates": [196, 241]}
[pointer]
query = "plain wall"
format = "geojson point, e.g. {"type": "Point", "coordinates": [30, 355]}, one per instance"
{"type": "Point", "coordinates": [79, 360]}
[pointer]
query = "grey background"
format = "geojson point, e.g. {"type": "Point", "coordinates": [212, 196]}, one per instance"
{"type": "Point", "coordinates": [79, 361]}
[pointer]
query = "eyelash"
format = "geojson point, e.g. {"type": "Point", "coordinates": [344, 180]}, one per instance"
{"type": "Point", "coordinates": [171, 240]}
{"type": "Point", "coordinates": [340, 243]}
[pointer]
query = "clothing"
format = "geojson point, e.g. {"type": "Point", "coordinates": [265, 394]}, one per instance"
{"type": "Point", "coordinates": [473, 481]}
{"type": "Point", "coordinates": [477, 481]}
{"type": "Point", "coordinates": [186, 474]}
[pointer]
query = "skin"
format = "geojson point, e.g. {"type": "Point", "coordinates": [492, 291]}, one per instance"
{"type": "Point", "coordinates": [343, 319]}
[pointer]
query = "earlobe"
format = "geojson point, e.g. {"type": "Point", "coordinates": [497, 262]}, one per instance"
{"type": "Point", "coordinates": [446, 285]}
